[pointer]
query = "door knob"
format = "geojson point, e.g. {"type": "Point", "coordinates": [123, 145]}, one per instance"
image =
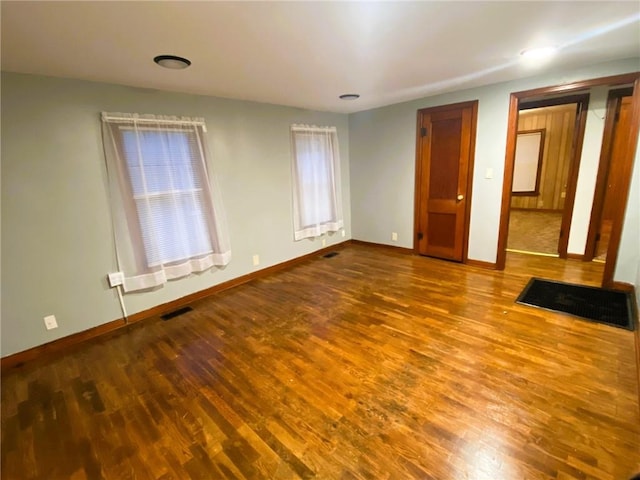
{"type": "Point", "coordinates": [460, 197]}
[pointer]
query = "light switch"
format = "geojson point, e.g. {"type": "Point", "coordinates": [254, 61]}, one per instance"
{"type": "Point", "coordinates": [488, 173]}
{"type": "Point", "coordinates": [50, 322]}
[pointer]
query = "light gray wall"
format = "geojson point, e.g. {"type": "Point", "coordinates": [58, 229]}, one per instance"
{"type": "Point", "coordinates": [628, 266]}
{"type": "Point", "coordinates": [56, 233]}
{"type": "Point", "coordinates": [57, 244]}
{"type": "Point", "coordinates": [589, 161]}
{"type": "Point", "coordinates": [382, 162]}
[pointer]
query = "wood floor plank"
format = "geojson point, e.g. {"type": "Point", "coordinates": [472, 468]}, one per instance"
{"type": "Point", "coordinates": [368, 365]}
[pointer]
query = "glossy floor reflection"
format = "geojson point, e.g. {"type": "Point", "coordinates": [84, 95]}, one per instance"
{"type": "Point", "coordinates": [371, 364]}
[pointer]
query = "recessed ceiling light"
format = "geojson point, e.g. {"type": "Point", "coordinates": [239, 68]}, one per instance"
{"type": "Point", "coordinates": [539, 53]}
{"type": "Point", "coordinates": [172, 62]}
{"type": "Point", "coordinates": [349, 96]}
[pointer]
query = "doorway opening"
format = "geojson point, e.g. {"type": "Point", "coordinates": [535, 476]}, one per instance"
{"type": "Point", "coordinates": [627, 153]}
{"type": "Point", "coordinates": [548, 149]}
{"type": "Point", "coordinates": [613, 171]}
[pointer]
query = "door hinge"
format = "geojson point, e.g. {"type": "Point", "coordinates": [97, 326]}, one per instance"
{"type": "Point", "coordinates": [597, 237]}
{"type": "Point", "coordinates": [420, 236]}
{"type": "Point", "coordinates": [423, 132]}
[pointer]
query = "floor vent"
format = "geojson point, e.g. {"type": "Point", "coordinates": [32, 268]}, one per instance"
{"type": "Point", "coordinates": [330, 254]}
{"type": "Point", "coordinates": [175, 313]}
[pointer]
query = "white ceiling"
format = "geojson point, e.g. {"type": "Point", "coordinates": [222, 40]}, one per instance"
{"type": "Point", "coordinates": [305, 54]}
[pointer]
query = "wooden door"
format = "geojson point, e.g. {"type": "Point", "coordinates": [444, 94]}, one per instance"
{"type": "Point", "coordinates": [620, 129]}
{"type": "Point", "coordinates": [444, 162]}
{"type": "Point", "coordinates": [613, 174]}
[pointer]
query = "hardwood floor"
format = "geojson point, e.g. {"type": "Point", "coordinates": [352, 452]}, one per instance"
{"type": "Point", "coordinates": [368, 365]}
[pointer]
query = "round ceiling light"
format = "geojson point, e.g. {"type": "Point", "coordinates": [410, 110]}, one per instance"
{"type": "Point", "coordinates": [172, 62]}
{"type": "Point", "coordinates": [349, 96]}
{"type": "Point", "coordinates": [540, 53]}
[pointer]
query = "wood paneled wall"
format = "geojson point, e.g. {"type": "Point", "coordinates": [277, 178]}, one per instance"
{"type": "Point", "coordinates": [559, 124]}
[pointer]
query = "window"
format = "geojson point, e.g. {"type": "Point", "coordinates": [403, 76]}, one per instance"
{"type": "Point", "coordinates": [166, 222]}
{"type": "Point", "coordinates": [316, 181]}
{"type": "Point", "coordinates": [527, 165]}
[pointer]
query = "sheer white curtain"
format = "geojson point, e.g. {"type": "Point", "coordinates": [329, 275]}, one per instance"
{"type": "Point", "coordinates": [317, 205]}
{"type": "Point", "coordinates": [167, 214]}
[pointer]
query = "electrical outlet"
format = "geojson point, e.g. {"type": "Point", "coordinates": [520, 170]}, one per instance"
{"type": "Point", "coordinates": [50, 322]}
{"type": "Point", "coordinates": [394, 236]}
{"type": "Point", "coordinates": [256, 260]}
{"type": "Point", "coordinates": [343, 233]}
{"type": "Point", "coordinates": [324, 242]}
{"type": "Point", "coordinates": [115, 279]}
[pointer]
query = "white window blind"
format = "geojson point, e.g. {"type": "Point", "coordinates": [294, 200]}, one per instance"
{"type": "Point", "coordinates": [317, 206]}
{"type": "Point", "coordinates": [168, 222]}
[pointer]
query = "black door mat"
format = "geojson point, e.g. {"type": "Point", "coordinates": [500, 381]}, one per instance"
{"type": "Point", "coordinates": [596, 304]}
